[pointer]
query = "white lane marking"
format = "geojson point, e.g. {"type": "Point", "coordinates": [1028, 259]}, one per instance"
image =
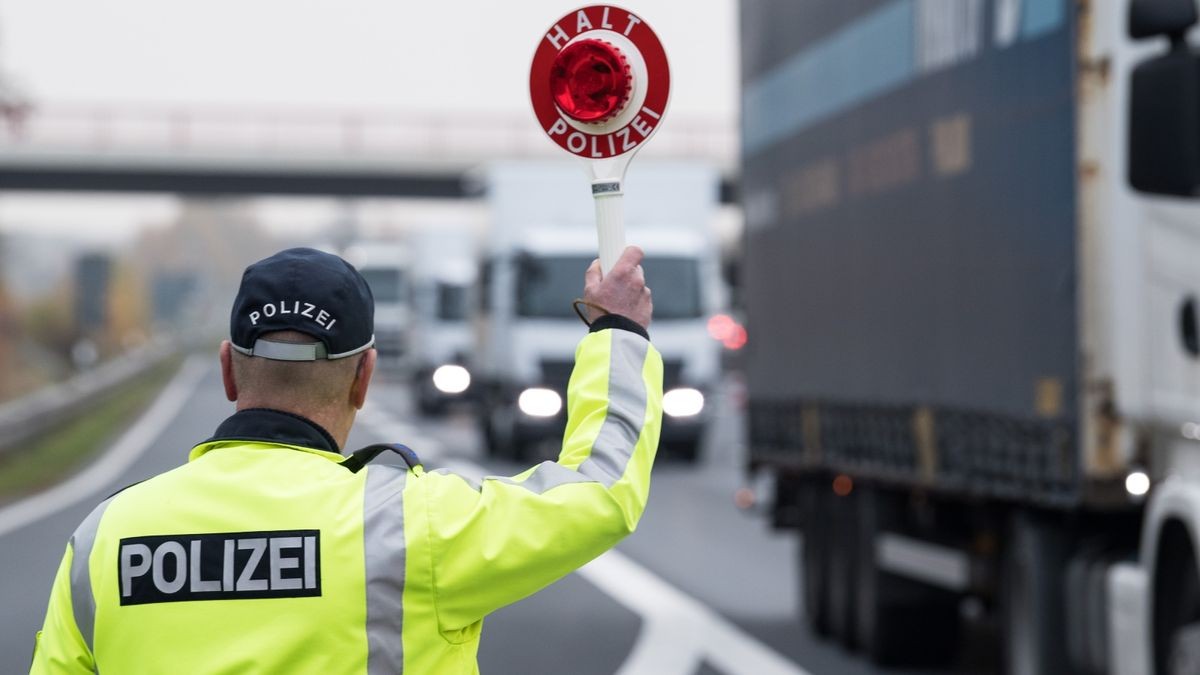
{"type": "Point", "coordinates": [119, 457]}
{"type": "Point", "coordinates": [393, 430]}
{"type": "Point", "coordinates": [678, 632]}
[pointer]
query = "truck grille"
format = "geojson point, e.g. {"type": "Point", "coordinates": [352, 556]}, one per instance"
{"type": "Point", "coordinates": [557, 373]}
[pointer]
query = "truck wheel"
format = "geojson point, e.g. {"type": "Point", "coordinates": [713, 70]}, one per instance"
{"type": "Point", "coordinates": [873, 627]}
{"type": "Point", "coordinates": [431, 407]}
{"type": "Point", "coordinates": [814, 558]}
{"type": "Point", "coordinates": [898, 621]}
{"type": "Point", "coordinates": [1176, 602]}
{"type": "Point", "coordinates": [684, 451]}
{"type": "Point", "coordinates": [1185, 651]}
{"type": "Point", "coordinates": [878, 615]}
{"type": "Point", "coordinates": [1033, 607]}
{"type": "Point", "coordinates": [843, 560]}
{"type": "Point", "coordinates": [499, 432]}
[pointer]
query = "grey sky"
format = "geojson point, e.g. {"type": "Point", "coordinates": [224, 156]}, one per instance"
{"type": "Point", "coordinates": [438, 55]}
{"type": "Point", "coordinates": [370, 55]}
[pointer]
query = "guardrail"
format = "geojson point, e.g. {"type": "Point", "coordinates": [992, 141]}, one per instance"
{"type": "Point", "coordinates": [49, 407]}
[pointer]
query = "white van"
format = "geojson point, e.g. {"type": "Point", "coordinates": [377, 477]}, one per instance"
{"type": "Point", "coordinates": [385, 266]}
{"type": "Point", "coordinates": [443, 303]}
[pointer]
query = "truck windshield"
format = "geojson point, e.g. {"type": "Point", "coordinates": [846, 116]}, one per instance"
{"type": "Point", "coordinates": [387, 284]}
{"type": "Point", "coordinates": [547, 285]}
{"type": "Point", "coordinates": [451, 302]}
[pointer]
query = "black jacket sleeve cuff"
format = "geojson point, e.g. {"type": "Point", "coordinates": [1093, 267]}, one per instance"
{"type": "Point", "coordinates": [617, 321]}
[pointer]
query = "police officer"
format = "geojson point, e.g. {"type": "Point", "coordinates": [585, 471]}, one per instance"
{"type": "Point", "coordinates": [272, 552]}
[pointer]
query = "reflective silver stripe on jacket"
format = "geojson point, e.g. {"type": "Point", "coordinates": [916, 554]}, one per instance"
{"type": "Point", "coordinates": [618, 435]}
{"type": "Point", "coordinates": [83, 601]}
{"type": "Point", "coordinates": [626, 410]}
{"type": "Point", "coordinates": [383, 553]}
{"type": "Point", "coordinates": [547, 475]}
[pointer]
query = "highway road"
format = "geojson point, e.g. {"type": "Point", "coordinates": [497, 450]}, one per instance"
{"type": "Point", "coordinates": [701, 587]}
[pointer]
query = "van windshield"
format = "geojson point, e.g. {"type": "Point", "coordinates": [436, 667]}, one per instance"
{"type": "Point", "coordinates": [387, 283]}
{"type": "Point", "coordinates": [546, 285]}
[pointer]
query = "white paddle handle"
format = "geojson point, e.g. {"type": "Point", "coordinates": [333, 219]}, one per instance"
{"type": "Point", "coordinates": [610, 221]}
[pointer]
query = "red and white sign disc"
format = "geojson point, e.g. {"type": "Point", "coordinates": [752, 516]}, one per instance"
{"type": "Point", "coordinates": [599, 82]}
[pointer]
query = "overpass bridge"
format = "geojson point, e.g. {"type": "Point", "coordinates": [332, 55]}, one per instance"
{"type": "Point", "coordinates": [238, 151]}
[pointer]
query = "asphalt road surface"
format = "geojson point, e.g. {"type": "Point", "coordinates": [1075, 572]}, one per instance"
{"type": "Point", "coordinates": [701, 587]}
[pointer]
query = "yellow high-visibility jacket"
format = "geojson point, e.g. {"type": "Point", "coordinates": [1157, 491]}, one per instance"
{"type": "Point", "coordinates": [265, 553]}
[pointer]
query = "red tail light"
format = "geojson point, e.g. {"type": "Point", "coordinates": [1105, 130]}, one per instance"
{"type": "Point", "coordinates": [728, 331]}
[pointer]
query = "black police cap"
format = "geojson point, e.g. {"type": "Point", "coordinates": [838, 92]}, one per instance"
{"type": "Point", "coordinates": [304, 290]}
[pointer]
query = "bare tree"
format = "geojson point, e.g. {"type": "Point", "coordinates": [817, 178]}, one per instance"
{"type": "Point", "coordinates": [15, 105]}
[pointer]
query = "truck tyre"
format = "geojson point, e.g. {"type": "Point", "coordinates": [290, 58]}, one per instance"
{"type": "Point", "coordinates": [1176, 610]}
{"type": "Point", "coordinates": [1185, 651]}
{"type": "Point", "coordinates": [843, 560]}
{"type": "Point", "coordinates": [814, 557]}
{"type": "Point", "coordinates": [682, 451]}
{"type": "Point", "coordinates": [500, 432]}
{"type": "Point", "coordinates": [1033, 607]}
{"type": "Point", "coordinates": [899, 621]}
{"type": "Point", "coordinates": [430, 406]}
{"type": "Point", "coordinates": [875, 623]}
{"type": "Point", "coordinates": [1087, 605]}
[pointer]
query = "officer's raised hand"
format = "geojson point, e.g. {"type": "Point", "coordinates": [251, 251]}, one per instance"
{"type": "Point", "coordinates": [622, 291]}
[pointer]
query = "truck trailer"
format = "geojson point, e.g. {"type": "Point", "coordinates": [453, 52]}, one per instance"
{"type": "Point", "coordinates": [972, 263]}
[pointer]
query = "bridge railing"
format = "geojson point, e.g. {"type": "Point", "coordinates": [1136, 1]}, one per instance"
{"type": "Point", "coordinates": [296, 133]}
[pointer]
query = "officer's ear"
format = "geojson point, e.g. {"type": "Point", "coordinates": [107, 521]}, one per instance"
{"type": "Point", "coordinates": [231, 391]}
{"type": "Point", "coordinates": [362, 379]}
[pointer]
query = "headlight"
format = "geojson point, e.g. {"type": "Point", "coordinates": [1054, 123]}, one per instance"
{"type": "Point", "coordinates": [683, 402]}
{"type": "Point", "coordinates": [451, 379]}
{"type": "Point", "coordinates": [539, 402]}
{"type": "Point", "coordinates": [1137, 483]}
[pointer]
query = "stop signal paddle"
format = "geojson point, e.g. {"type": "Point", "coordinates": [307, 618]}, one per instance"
{"type": "Point", "coordinates": [600, 84]}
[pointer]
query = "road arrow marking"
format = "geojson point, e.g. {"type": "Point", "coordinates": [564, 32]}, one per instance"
{"type": "Point", "coordinates": [678, 632]}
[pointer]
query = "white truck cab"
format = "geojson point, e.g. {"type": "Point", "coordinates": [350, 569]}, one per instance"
{"type": "Point", "coordinates": [1144, 290]}
{"type": "Point", "coordinates": [533, 270]}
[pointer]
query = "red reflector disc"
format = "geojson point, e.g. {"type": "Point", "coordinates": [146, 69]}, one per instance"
{"type": "Point", "coordinates": [590, 80]}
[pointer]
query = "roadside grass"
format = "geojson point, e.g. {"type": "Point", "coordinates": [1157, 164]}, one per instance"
{"type": "Point", "coordinates": [54, 455]}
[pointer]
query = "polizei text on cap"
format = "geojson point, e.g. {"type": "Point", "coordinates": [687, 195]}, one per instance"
{"type": "Point", "coordinates": [298, 307]}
